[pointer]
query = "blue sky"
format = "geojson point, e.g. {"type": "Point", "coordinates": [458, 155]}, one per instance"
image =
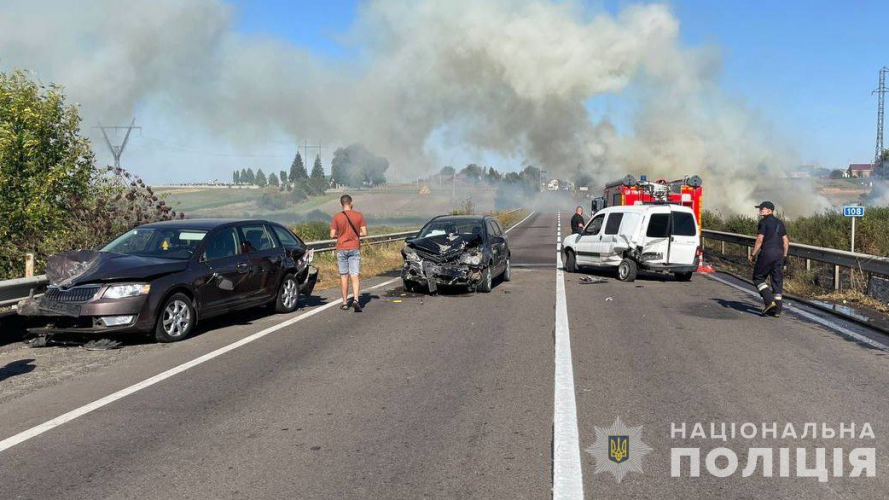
{"type": "Point", "coordinates": [808, 67]}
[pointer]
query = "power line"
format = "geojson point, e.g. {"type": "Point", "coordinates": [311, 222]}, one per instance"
{"type": "Point", "coordinates": [161, 144]}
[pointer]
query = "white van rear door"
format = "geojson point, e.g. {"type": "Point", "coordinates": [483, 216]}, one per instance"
{"type": "Point", "coordinates": [684, 239]}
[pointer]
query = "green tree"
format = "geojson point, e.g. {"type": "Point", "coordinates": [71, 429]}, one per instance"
{"type": "Point", "coordinates": [493, 176]}
{"type": "Point", "coordinates": [317, 169]}
{"type": "Point", "coordinates": [45, 166]}
{"type": "Point", "coordinates": [354, 165]}
{"type": "Point", "coordinates": [243, 176]}
{"type": "Point", "coordinates": [261, 180]}
{"type": "Point", "coordinates": [283, 177]}
{"type": "Point", "coordinates": [251, 177]}
{"type": "Point", "coordinates": [837, 173]}
{"type": "Point", "coordinates": [473, 172]}
{"type": "Point", "coordinates": [273, 179]}
{"type": "Point", "coordinates": [298, 169]}
{"type": "Point", "coordinates": [448, 171]}
{"type": "Point", "coordinates": [236, 177]}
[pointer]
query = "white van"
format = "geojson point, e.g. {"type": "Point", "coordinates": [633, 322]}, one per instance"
{"type": "Point", "coordinates": [661, 238]}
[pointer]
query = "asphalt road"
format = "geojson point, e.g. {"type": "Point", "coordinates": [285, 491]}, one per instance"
{"type": "Point", "coordinates": [449, 396]}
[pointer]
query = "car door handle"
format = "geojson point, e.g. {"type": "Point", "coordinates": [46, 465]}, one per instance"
{"type": "Point", "coordinates": [243, 267]}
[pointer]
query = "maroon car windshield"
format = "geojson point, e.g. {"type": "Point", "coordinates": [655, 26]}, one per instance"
{"type": "Point", "coordinates": [176, 244]}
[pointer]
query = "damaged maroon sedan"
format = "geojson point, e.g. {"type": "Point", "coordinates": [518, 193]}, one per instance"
{"type": "Point", "coordinates": [162, 278]}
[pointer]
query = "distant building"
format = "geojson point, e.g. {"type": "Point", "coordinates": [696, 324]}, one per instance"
{"type": "Point", "coordinates": [860, 170]}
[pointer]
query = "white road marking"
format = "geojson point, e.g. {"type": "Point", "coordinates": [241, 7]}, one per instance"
{"type": "Point", "coordinates": [519, 222]}
{"type": "Point", "coordinates": [83, 410]}
{"type": "Point", "coordinates": [812, 317]}
{"type": "Point", "coordinates": [567, 473]}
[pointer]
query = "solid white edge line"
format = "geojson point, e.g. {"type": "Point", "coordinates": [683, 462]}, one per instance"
{"type": "Point", "coordinates": [519, 222]}
{"type": "Point", "coordinates": [812, 317]}
{"type": "Point", "coordinates": [567, 472]}
{"type": "Point", "coordinates": [83, 410]}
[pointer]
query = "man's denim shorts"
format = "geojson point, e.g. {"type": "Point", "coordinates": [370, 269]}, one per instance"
{"type": "Point", "coordinates": [348, 261]}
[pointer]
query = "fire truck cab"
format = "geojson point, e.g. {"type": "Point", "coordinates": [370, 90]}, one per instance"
{"type": "Point", "coordinates": [686, 192]}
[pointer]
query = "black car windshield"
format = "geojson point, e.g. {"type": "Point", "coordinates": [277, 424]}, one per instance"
{"type": "Point", "coordinates": [176, 244]}
{"type": "Point", "coordinates": [448, 227]}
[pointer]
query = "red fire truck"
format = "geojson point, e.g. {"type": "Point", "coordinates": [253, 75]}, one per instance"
{"type": "Point", "coordinates": [628, 191]}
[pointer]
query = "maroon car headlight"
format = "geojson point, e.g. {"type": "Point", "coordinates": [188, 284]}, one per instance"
{"type": "Point", "coordinates": [128, 290]}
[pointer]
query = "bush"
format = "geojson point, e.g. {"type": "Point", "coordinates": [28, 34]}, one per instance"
{"type": "Point", "coordinates": [52, 196]}
{"type": "Point", "coordinates": [828, 229]}
{"type": "Point", "coordinates": [312, 231]}
{"type": "Point", "coordinates": [273, 199]}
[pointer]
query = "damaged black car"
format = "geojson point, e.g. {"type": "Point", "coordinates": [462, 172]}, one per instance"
{"type": "Point", "coordinates": [162, 278]}
{"type": "Point", "coordinates": [456, 250]}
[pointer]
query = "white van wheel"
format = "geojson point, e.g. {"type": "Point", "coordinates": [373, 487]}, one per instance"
{"type": "Point", "coordinates": [627, 269]}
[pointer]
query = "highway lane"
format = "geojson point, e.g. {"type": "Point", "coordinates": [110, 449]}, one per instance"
{"type": "Point", "coordinates": [452, 397]}
{"type": "Point", "coordinates": [439, 397]}
{"type": "Point", "coordinates": [656, 351]}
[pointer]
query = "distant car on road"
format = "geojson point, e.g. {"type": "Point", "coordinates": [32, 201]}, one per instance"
{"type": "Point", "coordinates": [162, 278]}
{"type": "Point", "coordinates": [659, 237]}
{"type": "Point", "coordinates": [457, 250]}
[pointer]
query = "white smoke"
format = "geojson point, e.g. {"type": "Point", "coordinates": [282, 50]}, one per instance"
{"type": "Point", "coordinates": [504, 77]}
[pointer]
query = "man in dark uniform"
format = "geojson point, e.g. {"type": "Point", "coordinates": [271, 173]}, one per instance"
{"type": "Point", "coordinates": [577, 221]}
{"type": "Point", "coordinates": [770, 252]}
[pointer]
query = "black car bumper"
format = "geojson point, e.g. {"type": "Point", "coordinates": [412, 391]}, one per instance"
{"type": "Point", "coordinates": [89, 317]}
{"type": "Point", "coordinates": [447, 274]}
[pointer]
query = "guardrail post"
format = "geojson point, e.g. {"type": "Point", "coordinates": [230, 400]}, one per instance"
{"type": "Point", "coordinates": [808, 265]}
{"type": "Point", "coordinates": [749, 253]}
{"type": "Point", "coordinates": [723, 247]}
{"type": "Point", "coordinates": [29, 265]}
{"type": "Point", "coordinates": [836, 277]}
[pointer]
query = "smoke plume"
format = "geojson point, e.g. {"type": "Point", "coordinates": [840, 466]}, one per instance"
{"type": "Point", "coordinates": [506, 78]}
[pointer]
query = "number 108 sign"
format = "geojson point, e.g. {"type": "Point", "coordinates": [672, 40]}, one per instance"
{"type": "Point", "coordinates": [853, 211]}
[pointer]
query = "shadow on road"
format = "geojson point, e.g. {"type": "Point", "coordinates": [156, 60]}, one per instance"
{"type": "Point", "coordinates": [14, 368]}
{"type": "Point", "coordinates": [739, 306]}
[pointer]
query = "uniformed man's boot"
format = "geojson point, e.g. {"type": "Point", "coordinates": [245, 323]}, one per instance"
{"type": "Point", "coordinates": [779, 305]}
{"type": "Point", "coordinates": [768, 300]}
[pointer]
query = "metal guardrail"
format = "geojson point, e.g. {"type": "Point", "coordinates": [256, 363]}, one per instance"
{"type": "Point", "coordinates": [328, 245]}
{"type": "Point", "coordinates": [12, 291]}
{"type": "Point", "coordinates": [838, 258]}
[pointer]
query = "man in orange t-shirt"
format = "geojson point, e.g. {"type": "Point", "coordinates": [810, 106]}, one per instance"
{"type": "Point", "coordinates": [347, 227]}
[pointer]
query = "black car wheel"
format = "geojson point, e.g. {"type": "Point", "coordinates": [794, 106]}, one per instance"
{"type": "Point", "coordinates": [570, 262]}
{"type": "Point", "coordinates": [683, 276]}
{"type": "Point", "coordinates": [626, 270]}
{"type": "Point", "coordinates": [507, 272]}
{"type": "Point", "coordinates": [176, 319]}
{"type": "Point", "coordinates": [486, 283]}
{"type": "Point", "coordinates": [288, 295]}
{"type": "Point", "coordinates": [410, 286]}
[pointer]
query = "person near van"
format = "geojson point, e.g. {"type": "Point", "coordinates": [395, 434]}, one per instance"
{"type": "Point", "coordinates": [577, 221]}
{"type": "Point", "coordinates": [770, 252]}
{"type": "Point", "coordinates": [348, 226]}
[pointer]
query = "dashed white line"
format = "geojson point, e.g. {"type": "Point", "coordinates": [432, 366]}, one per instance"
{"type": "Point", "coordinates": [812, 317]}
{"type": "Point", "coordinates": [567, 473]}
{"type": "Point", "coordinates": [83, 410]}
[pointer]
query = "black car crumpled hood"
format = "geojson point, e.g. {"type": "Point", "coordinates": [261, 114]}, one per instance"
{"type": "Point", "coordinates": [443, 247]}
{"type": "Point", "coordinates": [89, 266]}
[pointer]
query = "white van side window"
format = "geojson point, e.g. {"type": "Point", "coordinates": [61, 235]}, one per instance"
{"type": "Point", "coordinates": [684, 224]}
{"type": "Point", "coordinates": [613, 223]}
{"type": "Point", "coordinates": [658, 226]}
{"type": "Point", "coordinates": [595, 225]}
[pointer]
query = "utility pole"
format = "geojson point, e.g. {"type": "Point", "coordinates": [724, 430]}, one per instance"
{"type": "Point", "coordinates": [117, 151]}
{"type": "Point", "coordinates": [881, 92]}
